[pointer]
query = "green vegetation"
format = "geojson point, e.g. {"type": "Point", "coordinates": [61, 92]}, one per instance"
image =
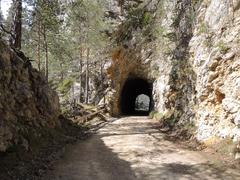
{"type": "Point", "coordinates": [64, 38]}
{"type": "Point", "coordinates": [167, 119]}
{"type": "Point", "coordinates": [222, 47]}
{"type": "Point", "coordinates": [140, 18]}
{"type": "Point", "coordinates": [155, 115]}
{"type": "Point", "coordinates": [147, 18]}
{"type": "Point", "coordinates": [65, 86]}
{"type": "Point", "coordinates": [203, 29]}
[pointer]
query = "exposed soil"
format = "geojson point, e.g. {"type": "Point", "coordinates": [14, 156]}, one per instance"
{"type": "Point", "coordinates": [133, 148]}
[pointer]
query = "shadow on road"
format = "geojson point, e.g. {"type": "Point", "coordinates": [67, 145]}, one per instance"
{"type": "Point", "coordinates": [91, 160]}
{"type": "Point", "coordinates": [132, 148]}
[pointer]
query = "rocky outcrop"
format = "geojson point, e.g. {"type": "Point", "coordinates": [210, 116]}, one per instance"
{"type": "Point", "coordinates": [192, 60]}
{"type": "Point", "coordinates": [125, 66]}
{"type": "Point", "coordinates": [131, 57]}
{"type": "Point", "coordinates": [27, 103]}
{"type": "Point", "coordinates": [215, 52]}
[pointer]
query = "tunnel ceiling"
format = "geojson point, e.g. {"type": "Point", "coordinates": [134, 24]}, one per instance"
{"type": "Point", "coordinates": [132, 88]}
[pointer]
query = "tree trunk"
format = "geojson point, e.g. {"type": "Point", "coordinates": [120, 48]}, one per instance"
{"type": "Point", "coordinates": [39, 46]}
{"type": "Point", "coordinates": [102, 79]}
{"type": "Point", "coordinates": [87, 77]}
{"type": "Point", "coordinates": [15, 41]}
{"type": "Point", "coordinates": [80, 73]}
{"type": "Point", "coordinates": [73, 95]}
{"type": "Point", "coordinates": [61, 72]}
{"type": "Point", "coordinates": [46, 51]}
{"type": "Point", "coordinates": [121, 4]}
{"type": "Point", "coordinates": [1, 15]}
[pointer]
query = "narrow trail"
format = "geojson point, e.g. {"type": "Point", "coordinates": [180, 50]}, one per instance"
{"type": "Point", "coordinates": [132, 148]}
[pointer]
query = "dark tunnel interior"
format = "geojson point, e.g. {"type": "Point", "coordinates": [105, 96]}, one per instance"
{"type": "Point", "coordinates": [132, 88]}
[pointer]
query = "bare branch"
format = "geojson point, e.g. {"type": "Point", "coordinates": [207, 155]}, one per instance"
{"type": "Point", "coordinates": [5, 30]}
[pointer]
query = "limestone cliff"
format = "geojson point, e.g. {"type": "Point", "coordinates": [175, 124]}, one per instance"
{"type": "Point", "coordinates": [27, 104]}
{"type": "Point", "coordinates": [189, 50]}
{"type": "Point", "coordinates": [215, 58]}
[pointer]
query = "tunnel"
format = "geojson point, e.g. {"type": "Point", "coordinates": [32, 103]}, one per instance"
{"type": "Point", "coordinates": [131, 91]}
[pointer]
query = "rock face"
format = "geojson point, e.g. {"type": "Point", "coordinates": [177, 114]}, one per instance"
{"type": "Point", "coordinates": [125, 66]}
{"type": "Point", "coordinates": [193, 62]}
{"type": "Point", "coordinates": [27, 104]}
{"type": "Point", "coordinates": [215, 57]}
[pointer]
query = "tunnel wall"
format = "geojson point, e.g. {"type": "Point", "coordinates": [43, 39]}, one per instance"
{"type": "Point", "coordinates": [126, 66]}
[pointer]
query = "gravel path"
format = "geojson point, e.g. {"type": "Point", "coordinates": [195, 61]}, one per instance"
{"type": "Point", "coordinates": [132, 148]}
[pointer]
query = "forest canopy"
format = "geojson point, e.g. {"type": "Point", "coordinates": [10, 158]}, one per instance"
{"type": "Point", "coordinates": [66, 40]}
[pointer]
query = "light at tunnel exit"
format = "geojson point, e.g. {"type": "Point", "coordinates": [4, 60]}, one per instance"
{"type": "Point", "coordinates": [133, 88]}
{"type": "Point", "coordinates": [142, 103]}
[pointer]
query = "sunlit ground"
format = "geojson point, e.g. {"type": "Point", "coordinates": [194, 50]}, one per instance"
{"type": "Point", "coordinates": [132, 148]}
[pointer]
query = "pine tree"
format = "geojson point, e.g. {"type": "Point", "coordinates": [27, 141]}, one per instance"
{"type": "Point", "coordinates": [16, 37]}
{"type": "Point", "coordinates": [86, 22]}
{"type": "Point", "coordinates": [1, 15]}
{"type": "Point", "coordinates": [66, 38]}
{"type": "Point", "coordinates": [1, 21]}
{"type": "Point", "coordinates": [45, 22]}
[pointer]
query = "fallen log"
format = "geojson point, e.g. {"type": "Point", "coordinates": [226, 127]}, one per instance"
{"type": "Point", "coordinates": [82, 113]}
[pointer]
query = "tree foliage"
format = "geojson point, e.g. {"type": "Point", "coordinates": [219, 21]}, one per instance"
{"type": "Point", "coordinates": [66, 40]}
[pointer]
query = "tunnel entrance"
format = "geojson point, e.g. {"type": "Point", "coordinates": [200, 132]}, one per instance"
{"type": "Point", "coordinates": [136, 97]}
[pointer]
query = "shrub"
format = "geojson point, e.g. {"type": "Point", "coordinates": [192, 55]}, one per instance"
{"type": "Point", "coordinates": [147, 18]}
{"type": "Point", "coordinates": [222, 47]}
{"type": "Point", "coordinates": [152, 114]}
{"type": "Point", "coordinates": [203, 29]}
{"type": "Point", "coordinates": [65, 86]}
{"type": "Point", "coordinates": [166, 118]}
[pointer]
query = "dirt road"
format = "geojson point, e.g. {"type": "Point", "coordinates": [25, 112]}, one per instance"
{"type": "Point", "coordinates": [132, 148]}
